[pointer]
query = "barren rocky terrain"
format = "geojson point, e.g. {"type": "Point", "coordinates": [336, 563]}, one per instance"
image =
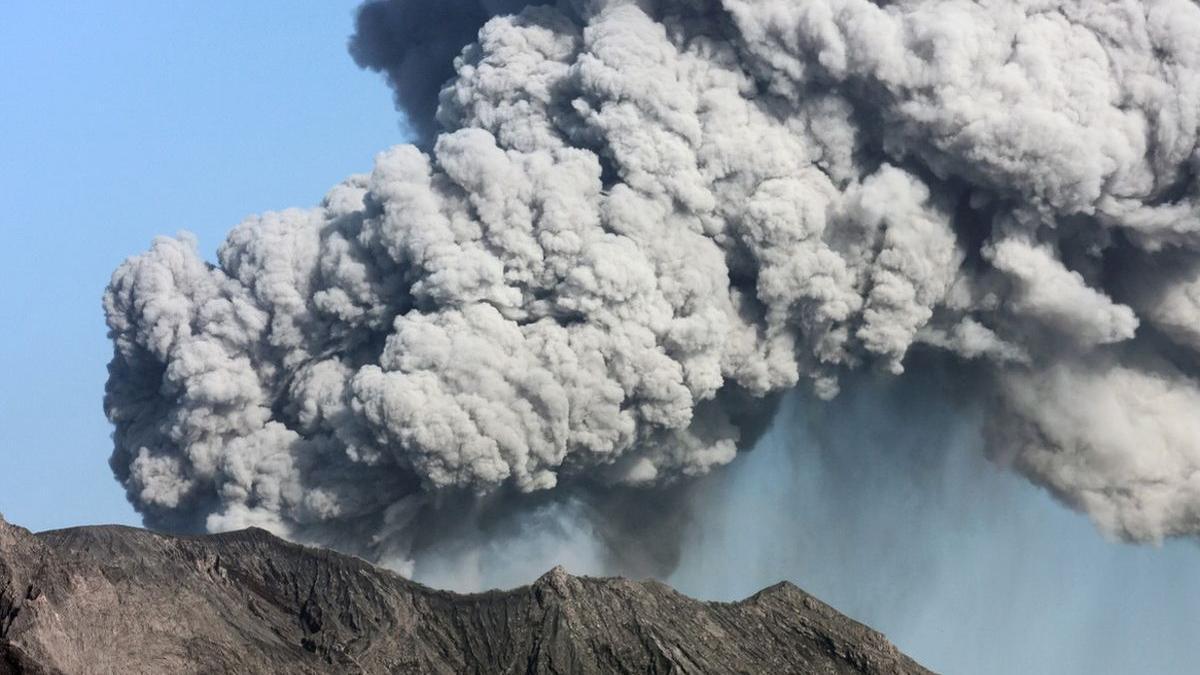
{"type": "Point", "coordinates": [122, 600]}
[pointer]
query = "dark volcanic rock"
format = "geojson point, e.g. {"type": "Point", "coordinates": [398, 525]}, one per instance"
{"type": "Point", "coordinates": [122, 600]}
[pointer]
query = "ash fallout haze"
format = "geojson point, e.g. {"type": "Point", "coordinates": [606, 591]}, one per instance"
{"type": "Point", "coordinates": [897, 300]}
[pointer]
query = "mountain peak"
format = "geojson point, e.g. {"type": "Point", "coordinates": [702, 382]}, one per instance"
{"type": "Point", "coordinates": [117, 599]}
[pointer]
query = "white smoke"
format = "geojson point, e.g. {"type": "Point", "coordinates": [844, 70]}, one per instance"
{"type": "Point", "coordinates": [636, 219]}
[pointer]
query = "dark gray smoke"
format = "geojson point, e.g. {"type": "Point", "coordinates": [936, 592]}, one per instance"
{"type": "Point", "coordinates": [636, 219]}
{"type": "Point", "coordinates": [414, 43]}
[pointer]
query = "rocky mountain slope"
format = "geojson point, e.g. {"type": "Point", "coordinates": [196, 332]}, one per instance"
{"type": "Point", "coordinates": [122, 600]}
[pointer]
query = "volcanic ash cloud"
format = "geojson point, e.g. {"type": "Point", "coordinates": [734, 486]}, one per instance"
{"type": "Point", "coordinates": [631, 221]}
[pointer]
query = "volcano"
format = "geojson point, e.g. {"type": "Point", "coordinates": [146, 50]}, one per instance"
{"type": "Point", "coordinates": [113, 599]}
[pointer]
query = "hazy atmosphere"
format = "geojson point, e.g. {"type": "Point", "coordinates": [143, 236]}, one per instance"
{"type": "Point", "coordinates": [720, 293]}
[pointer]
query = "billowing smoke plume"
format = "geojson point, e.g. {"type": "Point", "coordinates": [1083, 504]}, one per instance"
{"type": "Point", "coordinates": [414, 43]}
{"type": "Point", "coordinates": [638, 222]}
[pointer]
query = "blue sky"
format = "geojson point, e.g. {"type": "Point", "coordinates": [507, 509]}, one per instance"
{"type": "Point", "coordinates": [121, 121]}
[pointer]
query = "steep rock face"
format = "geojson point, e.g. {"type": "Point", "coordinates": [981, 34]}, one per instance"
{"type": "Point", "coordinates": [117, 599]}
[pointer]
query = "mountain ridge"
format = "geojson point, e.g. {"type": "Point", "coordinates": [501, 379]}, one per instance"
{"type": "Point", "coordinates": [120, 599]}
